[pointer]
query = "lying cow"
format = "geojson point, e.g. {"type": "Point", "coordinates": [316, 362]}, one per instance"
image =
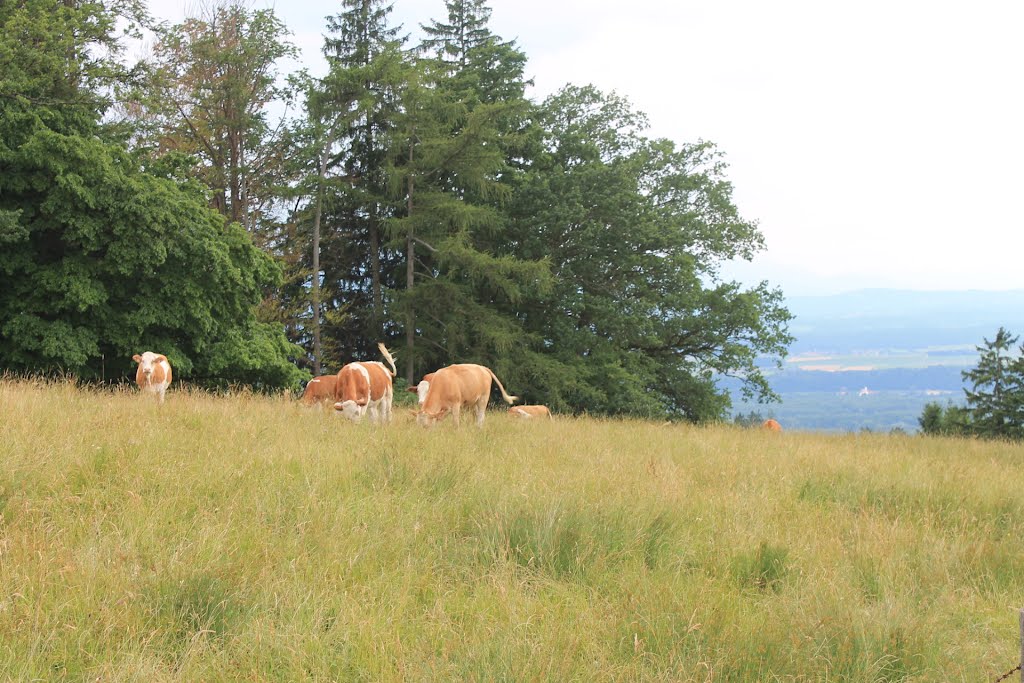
{"type": "Point", "coordinates": [365, 388]}
{"type": "Point", "coordinates": [771, 425]}
{"type": "Point", "coordinates": [320, 389]}
{"type": "Point", "coordinates": [529, 412]}
{"type": "Point", "coordinates": [421, 389]}
{"type": "Point", "coordinates": [456, 387]}
{"type": "Point", "coordinates": [153, 374]}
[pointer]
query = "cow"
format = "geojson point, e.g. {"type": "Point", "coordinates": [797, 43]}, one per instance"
{"type": "Point", "coordinates": [771, 425]}
{"type": "Point", "coordinates": [320, 389]}
{"type": "Point", "coordinates": [421, 389]}
{"type": "Point", "coordinates": [365, 388]}
{"type": "Point", "coordinates": [456, 387]}
{"type": "Point", "coordinates": [529, 412]}
{"type": "Point", "coordinates": [153, 374]}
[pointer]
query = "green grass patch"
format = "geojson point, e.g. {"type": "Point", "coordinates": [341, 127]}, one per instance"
{"type": "Point", "coordinates": [225, 538]}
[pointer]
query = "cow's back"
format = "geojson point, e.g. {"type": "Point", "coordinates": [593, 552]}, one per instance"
{"type": "Point", "coordinates": [461, 384]}
{"type": "Point", "coordinates": [353, 384]}
{"type": "Point", "coordinates": [380, 379]}
{"type": "Point", "coordinates": [529, 411]}
{"type": "Point", "coordinates": [320, 389]}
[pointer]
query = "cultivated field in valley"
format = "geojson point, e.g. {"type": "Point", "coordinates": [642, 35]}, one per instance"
{"type": "Point", "coordinates": [246, 538]}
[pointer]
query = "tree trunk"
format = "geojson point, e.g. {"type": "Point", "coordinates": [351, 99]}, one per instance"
{"type": "Point", "coordinates": [378, 303]}
{"type": "Point", "coordinates": [410, 258]}
{"type": "Point", "coordinates": [315, 303]}
{"type": "Point", "coordinates": [375, 273]}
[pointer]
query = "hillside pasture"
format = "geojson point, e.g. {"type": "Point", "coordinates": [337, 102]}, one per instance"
{"type": "Point", "coordinates": [226, 538]}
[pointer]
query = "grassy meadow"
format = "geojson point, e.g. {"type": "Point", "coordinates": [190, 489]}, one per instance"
{"type": "Point", "coordinates": [246, 538]}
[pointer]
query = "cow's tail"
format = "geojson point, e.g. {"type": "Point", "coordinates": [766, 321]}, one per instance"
{"type": "Point", "coordinates": [388, 358]}
{"type": "Point", "coordinates": [508, 399]}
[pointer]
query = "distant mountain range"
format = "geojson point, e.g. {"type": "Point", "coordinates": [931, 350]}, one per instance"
{"type": "Point", "coordinates": [904, 347]}
{"type": "Point", "coordinates": [885, 319]}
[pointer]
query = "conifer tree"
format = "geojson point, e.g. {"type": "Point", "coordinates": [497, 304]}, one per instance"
{"type": "Point", "coordinates": [996, 397]}
{"type": "Point", "coordinates": [453, 171]}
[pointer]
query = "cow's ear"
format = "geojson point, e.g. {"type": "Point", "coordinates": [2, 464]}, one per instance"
{"type": "Point", "coordinates": [412, 390]}
{"type": "Point", "coordinates": [137, 358]}
{"type": "Point", "coordinates": [160, 358]}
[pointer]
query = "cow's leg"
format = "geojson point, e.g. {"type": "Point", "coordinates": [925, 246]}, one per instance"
{"type": "Point", "coordinates": [456, 409]}
{"type": "Point", "coordinates": [481, 408]}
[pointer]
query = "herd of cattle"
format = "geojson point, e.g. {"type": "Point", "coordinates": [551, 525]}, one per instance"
{"type": "Point", "coordinates": [364, 388]}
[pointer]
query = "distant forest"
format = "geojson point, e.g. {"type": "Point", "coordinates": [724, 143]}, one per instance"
{"type": "Point", "coordinates": [257, 226]}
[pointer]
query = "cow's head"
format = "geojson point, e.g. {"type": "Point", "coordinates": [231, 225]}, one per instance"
{"type": "Point", "coordinates": [349, 409]}
{"type": "Point", "coordinates": [427, 419]}
{"type": "Point", "coordinates": [148, 362]}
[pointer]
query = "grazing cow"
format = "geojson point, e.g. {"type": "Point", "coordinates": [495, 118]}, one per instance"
{"type": "Point", "coordinates": [456, 387]}
{"type": "Point", "coordinates": [421, 389]}
{"type": "Point", "coordinates": [320, 389]}
{"type": "Point", "coordinates": [529, 412]}
{"type": "Point", "coordinates": [771, 426]}
{"type": "Point", "coordinates": [153, 374]}
{"type": "Point", "coordinates": [365, 387]}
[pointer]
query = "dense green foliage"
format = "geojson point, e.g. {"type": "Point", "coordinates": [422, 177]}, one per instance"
{"type": "Point", "coordinates": [101, 257]}
{"type": "Point", "coordinates": [948, 420]}
{"type": "Point", "coordinates": [418, 198]}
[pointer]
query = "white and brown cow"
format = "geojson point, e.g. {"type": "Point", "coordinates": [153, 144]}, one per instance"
{"type": "Point", "coordinates": [153, 374]}
{"type": "Point", "coordinates": [456, 387]}
{"type": "Point", "coordinates": [320, 389]}
{"type": "Point", "coordinates": [529, 412]}
{"type": "Point", "coordinates": [365, 388]}
{"type": "Point", "coordinates": [421, 389]}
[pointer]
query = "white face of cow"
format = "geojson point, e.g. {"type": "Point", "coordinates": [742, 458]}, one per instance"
{"type": "Point", "coordinates": [148, 362]}
{"type": "Point", "coordinates": [349, 409]}
{"type": "Point", "coordinates": [421, 391]}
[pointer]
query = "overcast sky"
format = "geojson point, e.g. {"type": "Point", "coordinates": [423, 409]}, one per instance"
{"type": "Point", "coordinates": [877, 143]}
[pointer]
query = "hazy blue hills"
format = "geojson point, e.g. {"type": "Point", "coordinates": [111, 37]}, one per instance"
{"type": "Point", "coordinates": [880, 319]}
{"type": "Point", "coordinates": [872, 358]}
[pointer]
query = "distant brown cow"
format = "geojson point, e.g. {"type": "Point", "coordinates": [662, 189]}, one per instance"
{"type": "Point", "coordinates": [771, 426]}
{"type": "Point", "coordinates": [320, 389]}
{"type": "Point", "coordinates": [153, 374]}
{"type": "Point", "coordinates": [529, 412]}
{"type": "Point", "coordinates": [456, 387]}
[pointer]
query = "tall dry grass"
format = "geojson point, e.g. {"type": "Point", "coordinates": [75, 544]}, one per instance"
{"type": "Point", "coordinates": [246, 538]}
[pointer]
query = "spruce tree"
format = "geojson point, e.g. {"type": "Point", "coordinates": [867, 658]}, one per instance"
{"type": "Point", "coordinates": [454, 173]}
{"type": "Point", "coordinates": [996, 397]}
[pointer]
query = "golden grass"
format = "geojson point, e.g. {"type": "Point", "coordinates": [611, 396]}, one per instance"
{"type": "Point", "coordinates": [248, 538]}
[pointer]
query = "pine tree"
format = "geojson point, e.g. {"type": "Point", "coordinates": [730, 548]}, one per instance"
{"type": "Point", "coordinates": [996, 397]}
{"type": "Point", "coordinates": [454, 172]}
{"type": "Point", "coordinates": [344, 197]}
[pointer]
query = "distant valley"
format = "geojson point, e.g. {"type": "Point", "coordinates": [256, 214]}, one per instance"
{"type": "Point", "coordinates": [871, 359]}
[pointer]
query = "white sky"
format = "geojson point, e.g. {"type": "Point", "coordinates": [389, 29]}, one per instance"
{"type": "Point", "coordinates": [877, 143]}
